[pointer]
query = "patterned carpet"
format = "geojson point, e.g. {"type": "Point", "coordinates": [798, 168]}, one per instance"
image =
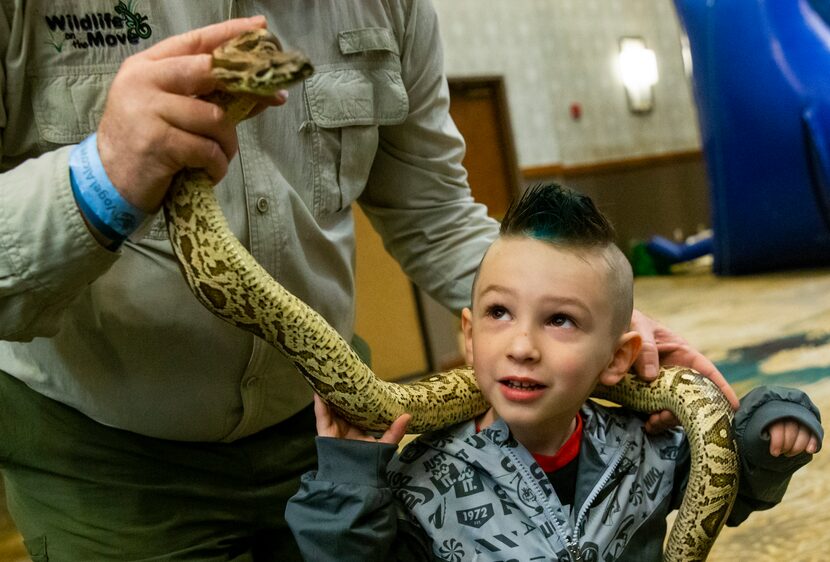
{"type": "Point", "coordinates": [770, 329]}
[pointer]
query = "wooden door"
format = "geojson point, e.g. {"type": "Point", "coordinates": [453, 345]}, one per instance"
{"type": "Point", "coordinates": [478, 106]}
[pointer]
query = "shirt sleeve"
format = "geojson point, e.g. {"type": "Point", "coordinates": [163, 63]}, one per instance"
{"type": "Point", "coordinates": [764, 478]}
{"type": "Point", "coordinates": [346, 510]}
{"type": "Point", "coordinates": [47, 254]}
{"type": "Point", "coordinates": [417, 196]}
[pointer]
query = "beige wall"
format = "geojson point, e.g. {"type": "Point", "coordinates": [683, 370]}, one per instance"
{"type": "Point", "coordinates": [557, 52]}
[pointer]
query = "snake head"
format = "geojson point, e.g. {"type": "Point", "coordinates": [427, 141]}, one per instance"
{"type": "Point", "coordinates": [254, 63]}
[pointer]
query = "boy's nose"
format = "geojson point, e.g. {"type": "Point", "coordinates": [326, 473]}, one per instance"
{"type": "Point", "coordinates": [523, 347]}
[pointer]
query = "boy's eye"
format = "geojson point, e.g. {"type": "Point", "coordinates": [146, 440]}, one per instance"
{"type": "Point", "coordinates": [497, 312]}
{"type": "Point", "coordinates": [561, 321]}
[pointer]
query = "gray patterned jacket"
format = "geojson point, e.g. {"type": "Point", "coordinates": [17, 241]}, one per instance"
{"type": "Point", "coordinates": [464, 496]}
{"type": "Point", "coordinates": [483, 497]}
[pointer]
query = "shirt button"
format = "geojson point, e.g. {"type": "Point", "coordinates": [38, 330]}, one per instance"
{"type": "Point", "coordinates": [262, 205]}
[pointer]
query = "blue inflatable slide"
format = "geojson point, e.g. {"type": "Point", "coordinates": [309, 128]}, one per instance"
{"type": "Point", "coordinates": [761, 76]}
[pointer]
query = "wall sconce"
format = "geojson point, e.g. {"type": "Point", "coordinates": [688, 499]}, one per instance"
{"type": "Point", "coordinates": [638, 70]}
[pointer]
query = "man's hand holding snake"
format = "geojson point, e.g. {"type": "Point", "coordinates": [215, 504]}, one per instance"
{"type": "Point", "coordinates": [154, 124]}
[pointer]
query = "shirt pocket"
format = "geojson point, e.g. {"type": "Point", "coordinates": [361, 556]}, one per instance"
{"type": "Point", "coordinates": [68, 107]}
{"type": "Point", "coordinates": [346, 104]}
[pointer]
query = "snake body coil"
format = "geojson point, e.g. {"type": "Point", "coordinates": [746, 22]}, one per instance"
{"type": "Point", "coordinates": [229, 282]}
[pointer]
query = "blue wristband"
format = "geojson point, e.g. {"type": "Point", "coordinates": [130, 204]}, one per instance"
{"type": "Point", "coordinates": [99, 200]}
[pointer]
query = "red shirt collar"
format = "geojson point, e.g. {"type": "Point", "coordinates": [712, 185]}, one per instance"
{"type": "Point", "coordinates": [565, 454]}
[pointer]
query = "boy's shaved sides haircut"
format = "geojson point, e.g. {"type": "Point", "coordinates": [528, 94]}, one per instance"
{"type": "Point", "coordinates": [557, 214]}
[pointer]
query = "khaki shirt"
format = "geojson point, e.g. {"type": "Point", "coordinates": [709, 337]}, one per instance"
{"type": "Point", "coordinates": [118, 335]}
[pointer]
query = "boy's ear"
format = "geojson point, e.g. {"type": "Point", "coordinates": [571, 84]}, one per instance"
{"type": "Point", "coordinates": [467, 330]}
{"type": "Point", "coordinates": [628, 346]}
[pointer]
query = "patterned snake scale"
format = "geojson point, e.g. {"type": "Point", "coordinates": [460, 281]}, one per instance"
{"type": "Point", "coordinates": [230, 283]}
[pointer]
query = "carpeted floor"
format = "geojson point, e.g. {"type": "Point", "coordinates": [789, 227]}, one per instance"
{"type": "Point", "coordinates": [768, 329]}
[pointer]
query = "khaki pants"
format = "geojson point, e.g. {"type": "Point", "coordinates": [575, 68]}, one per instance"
{"type": "Point", "coordinates": [78, 490]}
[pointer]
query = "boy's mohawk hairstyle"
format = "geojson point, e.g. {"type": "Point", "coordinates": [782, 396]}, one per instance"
{"type": "Point", "coordinates": [557, 214]}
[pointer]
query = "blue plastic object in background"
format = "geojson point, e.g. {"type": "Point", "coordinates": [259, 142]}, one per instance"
{"type": "Point", "coordinates": [673, 252]}
{"type": "Point", "coordinates": [762, 86]}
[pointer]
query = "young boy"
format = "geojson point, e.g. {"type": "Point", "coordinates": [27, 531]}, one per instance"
{"type": "Point", "coordinates": [545, 473]}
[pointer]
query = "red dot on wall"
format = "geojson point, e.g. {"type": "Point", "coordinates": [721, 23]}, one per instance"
{"type": "Point", "coordinates": [576, 111]}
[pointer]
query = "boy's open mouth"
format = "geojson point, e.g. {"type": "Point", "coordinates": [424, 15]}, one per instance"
{"type": "Point", "coordinates": [521, 384]}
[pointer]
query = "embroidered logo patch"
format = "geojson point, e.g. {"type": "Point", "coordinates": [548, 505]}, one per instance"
{"type": "Point", "coordinates": [124, 24]}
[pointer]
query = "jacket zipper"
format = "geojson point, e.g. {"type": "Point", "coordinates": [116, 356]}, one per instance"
{"type": "Point", "coordinates": [600, 485]}
{"type": "Point", "coordinates": [571, 545]}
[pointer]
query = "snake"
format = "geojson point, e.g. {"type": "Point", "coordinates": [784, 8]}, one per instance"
{"type": "Point", "coordinates": [229, 282]}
